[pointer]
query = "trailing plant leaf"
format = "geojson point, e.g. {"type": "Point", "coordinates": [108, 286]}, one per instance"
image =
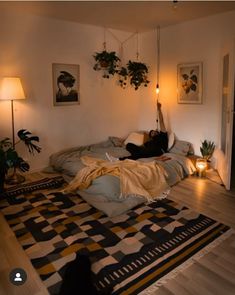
{"type": "Point", "coordinates": [23, 134]}
{"type": "Point", "coordinates": [123, 75]}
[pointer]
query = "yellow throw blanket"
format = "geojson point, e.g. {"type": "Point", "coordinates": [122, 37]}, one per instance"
{"type": "Point", "coordinates": [136, 178]}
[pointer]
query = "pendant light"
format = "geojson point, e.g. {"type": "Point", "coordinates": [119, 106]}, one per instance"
{"type": "Point", "coordinates": [158, 72]}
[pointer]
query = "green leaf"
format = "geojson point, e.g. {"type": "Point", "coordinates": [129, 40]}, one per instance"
{"type": "Point", "coordinates": [207, 149]}
{"type": "Point", "coordinates": [194, 78]}
{"type": "Point", "coordinates": [185, 76]}
{"type": "Point", "coordinates": [193, 87]}
{"type": "Point", "coordinates": [23, 134]}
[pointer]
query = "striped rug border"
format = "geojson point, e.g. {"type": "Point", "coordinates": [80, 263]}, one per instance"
{"type": "Point", "coordinates": [45, 183]}
{"type": "Point", "coordinates": [154, 279]}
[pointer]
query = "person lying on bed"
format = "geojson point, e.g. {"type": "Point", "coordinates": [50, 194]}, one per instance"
{"type": "Point", "coordinates": [154, 147]}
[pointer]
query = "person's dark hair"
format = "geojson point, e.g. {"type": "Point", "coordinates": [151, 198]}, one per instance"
{"type": "Point", "coordinates": [66, 78]}
{"type": "Point", "coordinates": [150, 133]}
{"type": "Point", "coordinates": [156, 132]}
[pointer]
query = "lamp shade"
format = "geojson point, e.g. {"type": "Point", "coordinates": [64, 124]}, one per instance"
{"type": "Point", "coordinates": [11, 89]}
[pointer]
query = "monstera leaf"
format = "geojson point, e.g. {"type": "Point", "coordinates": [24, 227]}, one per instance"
{"type": "Point", "coordinates": [9, 157]}
{"type": "Point", "coordinates": [13, 160]}
{"type": "Point", "coordinates": [26, 137]}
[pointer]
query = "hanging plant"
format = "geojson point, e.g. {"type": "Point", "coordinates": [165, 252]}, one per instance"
{"type": "Point", "coordinates": [137, 72]}
{"type": "Point", "coordinates": [123, 75]}
{"type": "Point", "coordinates": [106, 61]}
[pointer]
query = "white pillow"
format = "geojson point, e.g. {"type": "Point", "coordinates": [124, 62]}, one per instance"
{"type": "Point", "coordinates": [171, 140]}
{"type": "Point", "coordinates": [136, 138]}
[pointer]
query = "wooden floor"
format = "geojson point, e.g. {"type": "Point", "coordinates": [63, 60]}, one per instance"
{"type": "Point", "coordinates": [212, 274]}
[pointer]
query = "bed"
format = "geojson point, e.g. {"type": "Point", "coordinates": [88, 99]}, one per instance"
{"type": "Point", "coordinates": [104, 192]}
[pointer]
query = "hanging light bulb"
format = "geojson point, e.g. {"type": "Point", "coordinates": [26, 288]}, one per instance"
{"type": "Point", "coordinates": [157, 89]}
{"type": "Point", "coordinates": [158, 70]}
{"type": "Point", "coordinates": [158, 60]}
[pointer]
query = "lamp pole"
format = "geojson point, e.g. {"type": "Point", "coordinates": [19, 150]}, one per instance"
{"type": "Point", "coordinates": [13, 123]}
{"type": "Point", "coordinates": [158, 70]}
{"type": "Point", "coordinates": [11, 89]}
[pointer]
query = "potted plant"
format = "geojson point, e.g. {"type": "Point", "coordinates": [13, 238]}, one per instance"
{"type": "Point", "coordinates": [137, 72]}
{"type": "Point", "coordinates": [9, 157]}
{"type": "Point", "coordinates": [207, 149]}
{"type": "Point", "coordinates": [106, 61]}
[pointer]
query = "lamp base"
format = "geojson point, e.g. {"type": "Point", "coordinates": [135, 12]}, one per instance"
{"type": "Point", "coordinates": [15, 178]}
{"type": "Point", "coordinates": [201, 173]}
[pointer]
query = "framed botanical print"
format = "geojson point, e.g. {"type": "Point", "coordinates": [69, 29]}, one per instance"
{"type": "Point", "coordinates": [65, 84]}
{"type": "Point", "coordinates": [189, 83]}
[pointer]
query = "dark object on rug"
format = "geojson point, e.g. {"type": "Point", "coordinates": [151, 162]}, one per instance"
{"type": "Point", "coordinates": [77, 279]}
{"type": "Point", "coordinates": [44, 183]}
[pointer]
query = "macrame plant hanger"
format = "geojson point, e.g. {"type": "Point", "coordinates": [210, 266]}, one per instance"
{"type": "Point", "coordinates": [103, 64]}
{"type": "Point", "coordinates": [104, 43]}
{"type": "Point", "coordinates": [121, 50]}
{"type": "Point", "coordinates": [121, 42]}
{"type": "Point", "coordinates": [137, 46]}
{"type": "Point", "coordinates": [158, 71]}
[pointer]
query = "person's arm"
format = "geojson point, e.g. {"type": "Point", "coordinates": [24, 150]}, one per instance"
{"type": "Point", "coordinates": [160, 116]}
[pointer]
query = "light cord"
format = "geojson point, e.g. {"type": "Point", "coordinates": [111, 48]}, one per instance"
{"type": "Point", "coordinates": [158, 54]}
{"type": "Point", "coordinates": [158, 75]}
{"type": "Point", "coordinates": [137, 46]}
{"type": "Point", "coordinates": [104, 43]}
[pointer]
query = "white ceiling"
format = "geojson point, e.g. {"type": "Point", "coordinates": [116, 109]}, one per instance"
{"type": "Point", "coordinates": [123, 15]}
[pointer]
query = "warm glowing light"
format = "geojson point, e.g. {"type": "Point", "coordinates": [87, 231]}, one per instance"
{"type": "Point", "coordinates": [201, 165]}
{"type": "Point", "coordinates": [11, 89]}
{"type": "Point", "coordinates": [157, 89]}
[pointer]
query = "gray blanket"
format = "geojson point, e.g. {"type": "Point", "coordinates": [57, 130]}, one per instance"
{"type": "Point", "coordinates": [104, 193]}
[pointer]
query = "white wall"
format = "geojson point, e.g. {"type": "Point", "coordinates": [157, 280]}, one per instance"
{"type": "Point", "coordinates": [193, 41]}
{"type": "Point", "coordinates": [199, 40]}
{"type": "Point", "coordinates": [29, 45]}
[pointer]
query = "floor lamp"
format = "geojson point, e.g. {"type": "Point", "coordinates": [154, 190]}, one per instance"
{"type": "Point", "coordinates": [11, 89]}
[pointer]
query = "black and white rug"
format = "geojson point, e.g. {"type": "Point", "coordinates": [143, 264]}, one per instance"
{"type": "Point", "coordinates": [132, 252]}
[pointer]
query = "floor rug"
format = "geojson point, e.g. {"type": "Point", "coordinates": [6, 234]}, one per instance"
{"type": "Point", "coordinates": [129, 253]}
{"type": "Point", "coordinates": [43, 183]}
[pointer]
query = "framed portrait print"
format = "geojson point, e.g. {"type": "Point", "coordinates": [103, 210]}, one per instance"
{"type": "Point", "coordinates": [189, 83]}
{"type": "Point", "coordinates": [65, 84]}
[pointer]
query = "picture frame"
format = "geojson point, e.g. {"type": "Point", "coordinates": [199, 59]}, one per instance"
{"type": "Point", "coordinates": [189, 83]}
{"type": "Point", "coordinates": [66, 82]}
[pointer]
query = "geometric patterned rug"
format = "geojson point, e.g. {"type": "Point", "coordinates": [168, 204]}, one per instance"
{"type": "Point", "coordinates": [130, 252]}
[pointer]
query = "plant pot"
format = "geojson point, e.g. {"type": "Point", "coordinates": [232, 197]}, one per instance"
{"type": "Point", "coordinates": [104, 64]}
